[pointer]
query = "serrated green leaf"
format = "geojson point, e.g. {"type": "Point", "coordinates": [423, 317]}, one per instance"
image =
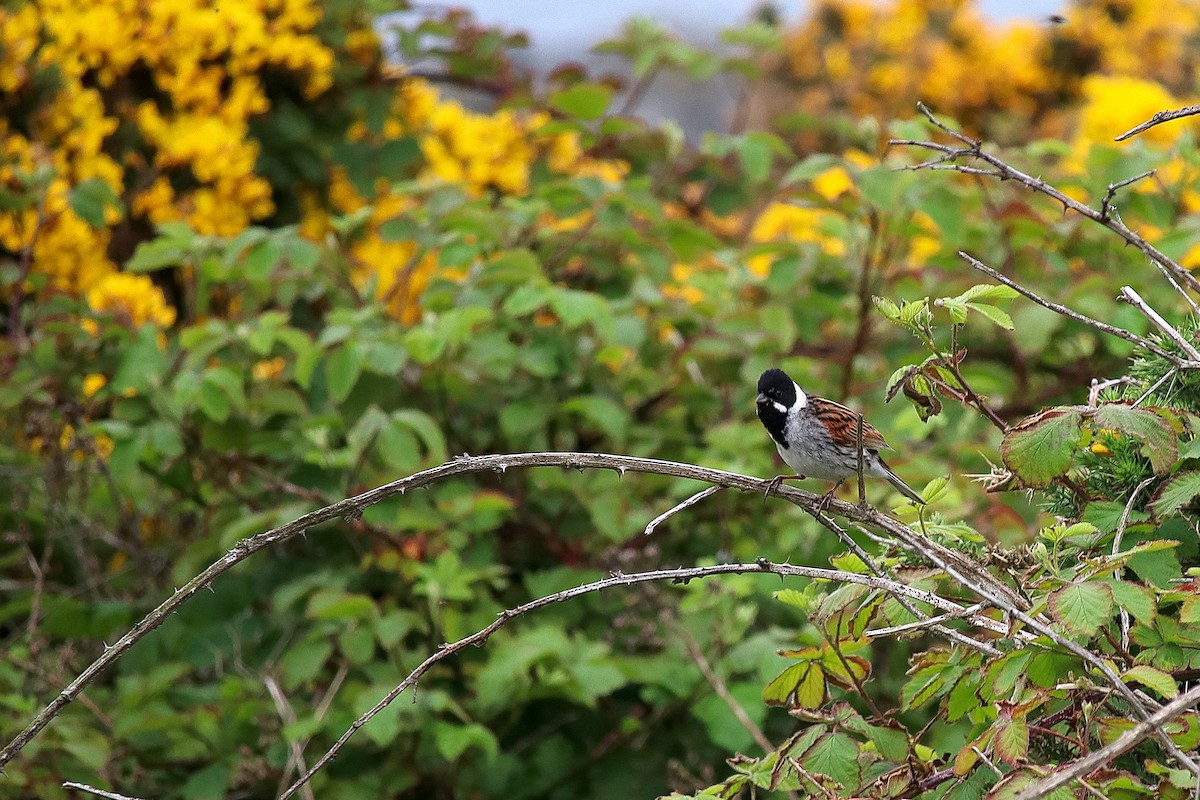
{"type": "Point", "coordinates": [1082, 607]}
{"type": "Point", "coordinates": [955, 308]}
{"type": "Point", "coordinates": [1152, 678]}
{"type": "Point", "coordinates": [261, 259]}
{"type": "Point", "coordinates": [987, 292]}
{"type": "Point", "coordinates": [1156, 566]}
{"type": "Point", "coordinates": [1011, 742]}
{"type": "Point", "coordinates": [783, 689]}
{"type": "Point", "coordinates": [835, 755]}
{"type": "Point", "coordinates": [1176, 493]}
{"type": "Point", "coordinates": [997, 316]}
{"type": "Point", "coordinates": [1161, 439]}
{"type": "Point", "coordinates": [1042, 447]}
{"type": "Point", "coordinates": [1137, 600]}
{"type": "Point", "coordinates": [794, 598]}
{"type": "Point", "coordinates": [962, 698]}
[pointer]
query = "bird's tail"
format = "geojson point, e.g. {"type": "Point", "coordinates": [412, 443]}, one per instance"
{"type": "Point", "coordinates": [900, 485]}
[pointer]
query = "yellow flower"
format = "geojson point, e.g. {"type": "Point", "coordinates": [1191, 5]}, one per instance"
{"type": "Point", "coordinates": [1191, 259]}
{"type": "Point", "coordinates": [268, 369]}
{"type": "Point", "coordinates": [681, 288]}
{"type": "Point", "coordinates": [1113, 105]}
{"type": "Point", "coordinates": [93, 383]}
{"type": "Point", "coordinates": [832, 183]}
{"type": "Point", "coordinates": [133, 299]}
{"type": "Point", "coordinates": [790, 222]}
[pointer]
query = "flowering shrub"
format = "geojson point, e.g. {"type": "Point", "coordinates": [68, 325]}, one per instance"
{"type": "Point", "coordinates": [248, 269]}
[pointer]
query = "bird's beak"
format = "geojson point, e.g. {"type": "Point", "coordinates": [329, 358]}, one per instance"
{"type": "Point", "coordinates": [761, 400]}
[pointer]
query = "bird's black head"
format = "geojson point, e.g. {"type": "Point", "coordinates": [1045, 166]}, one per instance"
{"type": "Point", "coordinates": [776, 395]}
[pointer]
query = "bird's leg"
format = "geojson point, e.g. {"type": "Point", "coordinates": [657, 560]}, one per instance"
{"type": "Point", "coordinates": [823, 503]}
{"type": "Point", "coordinates": [773, 486]}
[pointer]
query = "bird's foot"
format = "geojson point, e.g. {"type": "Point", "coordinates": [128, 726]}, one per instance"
{"type": "Point", "coordinates": [773, 486]}
{"type": "Point", "coordinates": [823, 503]}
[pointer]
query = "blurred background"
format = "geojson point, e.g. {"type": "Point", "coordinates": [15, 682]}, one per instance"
{"type": "Point", "coordinates": [565, 32]}
{"type": "Point", "coordinates": [262, 255]}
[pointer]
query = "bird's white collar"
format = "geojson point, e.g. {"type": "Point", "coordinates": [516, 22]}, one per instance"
{"type": "Point", "coordinates": [801, 397]}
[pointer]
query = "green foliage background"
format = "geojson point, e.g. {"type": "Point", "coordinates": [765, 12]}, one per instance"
{"type": "Point", "coordinates": [519, 348]}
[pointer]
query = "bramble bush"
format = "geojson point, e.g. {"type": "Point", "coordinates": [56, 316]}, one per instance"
{"type": "Point", "coordinates": [250, 268]}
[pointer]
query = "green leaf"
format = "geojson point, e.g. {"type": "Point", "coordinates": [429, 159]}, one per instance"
{"type": "Point", "coordinates": [454, 739]}
{"type": "Point", "coordinates": [997, 316]}
{"type": "Point", "coordinates": [835, 755]}
{"type": "Point", "coordinates": [209, 783]}
{"type": "Point", "coordinates": [260, 260]}
{"type": "Point", "coordinates": [584, 100]}
{"type": "Point", "coordinates": [1082, 607]}
{"type": "Point", "coordinates": [1176, 493]}
{"type": "Point", "coordinates": [892, 744]}
{"type": "Point", "coordinates": [1011, 742]}
{"type": "Point", "coordinates": [1042, 447]}
{"type": "Point", "coordinates": [339, 605]}
{"type": "Point", "coordinates": [342, 368]}
{"type": "Point", "coordinates": [963, 698]}
{"type": "Point", "coordinates": [889, 310]}
{"type": "Point", "coordinates": [1162, 441]}
{"type": "Point", "coordinates": [601, 411]}
{"type": "Point", "coordinates": [89, 199]}
{"type": "Point", "coordinates": [1158, 567]}
{"type": "Point", "coordinates": [1106, 515]}
{"type": "Point", "coordinates": [809, 168]}
{"type": "Point", "coordinates": [1137, 600]}
{"type": "Point", "coordinates": [1152, 678]}
{"type": "Point", "coordinates": [800, 685]}
{"type": "Point", "coordinates": [985, 291]}
{"type": "Point", "coordinates": [211, 400]}
{"type": "Point", "coordinates": [426, 429]}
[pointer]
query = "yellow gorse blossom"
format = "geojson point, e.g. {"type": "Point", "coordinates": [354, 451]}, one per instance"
{"type": "Point", "coordinates": [93, 383]}
{"type": "Point", "coordinates": [789, 222]}
{"type": "Point", "coordinates": [206, 61]}
{"type": "Point", "coordinates": [1019, 79]}
{"type": "Point", "coordinates": [134, 300]}
{"type": "Point", "coordinates": [478, 152]}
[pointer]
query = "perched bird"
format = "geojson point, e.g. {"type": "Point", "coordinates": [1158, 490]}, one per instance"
{"type": "Point", "coordinates": [817, 437]}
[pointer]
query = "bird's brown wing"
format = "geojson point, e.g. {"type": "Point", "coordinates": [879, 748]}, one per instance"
{"type": "Point", "coordinates": [843, 424]}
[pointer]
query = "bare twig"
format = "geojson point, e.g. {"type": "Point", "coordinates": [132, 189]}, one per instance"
{"type": "Point", "coordinates": [1116, 548]}
{"type": "Point", "coordinates": [908, 627]}
{"type": "Point", "coordinates": [353, 507]}
{"type": "Point", "coordinates": [1120, 333]}
{"type": "Point", "coordinates": [904, 602]}
{"type": "Point", "coordinates": [691, 501]}
{"type": "Point", "coordinates": [1098, 386]}
{"type": "Point", "coordinates": [1134, 299]}
{"type": "Point", "coordinates": [951, 363]}
{"type": "Point", "coordinates": [83, 787]}
{"type": "Point", "coordinates": [678, 575]}
{"type": "Point", "coordinates": [1158, 119]}
{"type": "Point", "coordinates": [1166, 376]}
{"type": "Point", "coordinates": [288, 716]}
{"type": "Point", "coordinates": [1106, 206]}
{"type": "Point", "coordinates": [1090, 658]}
{"type": "Point", "coordinates": [1123, 744]}
{"type": "Point", "coordinates": [722, 691]}
{"type": "Point", "coordinates": [973, 148]}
